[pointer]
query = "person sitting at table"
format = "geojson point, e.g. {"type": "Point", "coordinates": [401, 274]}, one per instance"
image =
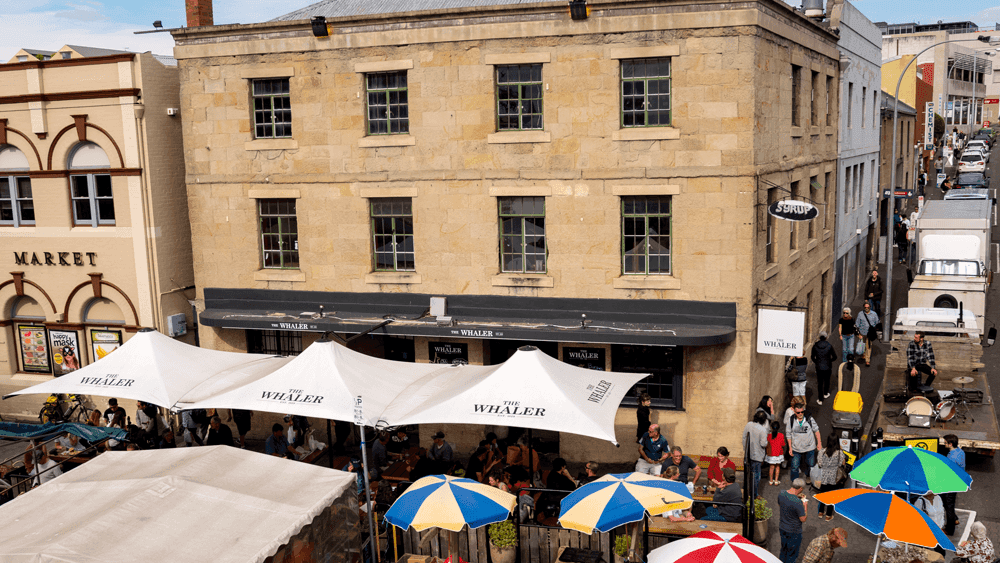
{"type": "Point", "coordinates": [398, 444]}
{"type": "Point", "coordinates": [728, 493]}
{"type": "Point", "coordinates": [673, 473]}
{"type": "Point", "coordinates": [68, 444]}
{"type": "Point", "coordinates": [168, 440]}
{"type": "Point", "coordinates": [519, 454]}
{"type": "Point", "coordinates": [588, 474]}
{"type": "Point", "coordinates": [219, 434]}
{"type": "Point", "coordinates": [715, 467]}
{"type": "Point", "coordinates": [476, 469]}
{"type": "Point", "coordinates": [40, 466]}
{"type": "Point", "coordinates": [276, 444]}
{"type": "Point", "coordinates": [558, 480]}
{"type": "Point", "coordinates": [422, 467]}
{"type": "Point", "coordinates": [683, 463]}
{"type": "Point", "coordinates": [497, 479]}
{"type": "Point", "coordinates": [441, 453]}
{"type": "Point", "coordinates": [380, 455]}
{"type": "Point", "coordinates": [496, 445]}
{"type": "Point", "coordinates": [978, 548]}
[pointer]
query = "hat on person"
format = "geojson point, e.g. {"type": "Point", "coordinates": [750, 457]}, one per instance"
{"type": "Point", "coordinates": [729, 474]}
{"type": "Point", "coordinates": [113, 402]}
{"type": "Point", "coordinates": [439, 434]}
{"type": "Point", "coordinates": [841, 535]}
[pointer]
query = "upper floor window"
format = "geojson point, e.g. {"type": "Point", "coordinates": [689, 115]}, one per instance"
{"type": "Point", "coordinates": [388, 103]}
{"type": "Point", "coordinates": [796, 92]}
{"type": "Point", "coordinates": [279, 237]}
{"type": "Point", "coordinates": [16, 205]}
{"type": "Point", "coordinates": [91, 194]}
{"type": "Point", "coordinates": [519, 97]}
{"type": "Point", "coordinates": [272, 108]}
{"type": "Point", "coordinates": [522, 234]}
{"type": "Point", "coordinates": [646, 235]}
{"type": "Point", "coordinates": [392, 234]}
{"type": "Point", "coordinates": [645, 92]}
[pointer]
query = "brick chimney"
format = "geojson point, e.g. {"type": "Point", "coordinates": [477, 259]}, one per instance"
{"type": "Point", "coordinates": [199, 12]}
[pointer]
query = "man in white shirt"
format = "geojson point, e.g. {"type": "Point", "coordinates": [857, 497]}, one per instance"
{"type": "Point", "coordinates": [44, 469]}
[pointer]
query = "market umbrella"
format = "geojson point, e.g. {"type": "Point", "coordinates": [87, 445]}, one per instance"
{"type": "Point", "coordinates": [911, 470]}
{"type": "Point", "coordinates": [620, 498]}
{"type": "Point", "coordinates": [712, 547]}
{"type": "Point", "coordinates": [885, 514]}
{"type": "Point", "coordinates": [149, 367]}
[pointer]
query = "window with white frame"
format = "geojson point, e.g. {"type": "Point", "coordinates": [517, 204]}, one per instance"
{"type": "Point", "coordinates": [91, 193]}
{"type": "Point", "coordinates": [16, 205]}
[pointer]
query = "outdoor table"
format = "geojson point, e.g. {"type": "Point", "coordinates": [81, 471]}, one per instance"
{"type": "Point", "coordinates": [662, 525]}
{"type": "Point", "coordinates": [903, 554]}
{"type": "Point", "coordinates": [397, 472]}
{"type": "Point", "coordinates": [70, 458]}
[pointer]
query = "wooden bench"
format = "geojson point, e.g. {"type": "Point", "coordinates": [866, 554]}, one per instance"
{"type": "Point", "coordinates": [663, 525]}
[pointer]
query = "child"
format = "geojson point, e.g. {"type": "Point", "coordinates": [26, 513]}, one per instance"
{"type": "Point", "coordinates": [775, 453]}
{"type": "Point", "coordinates": [642, 416]}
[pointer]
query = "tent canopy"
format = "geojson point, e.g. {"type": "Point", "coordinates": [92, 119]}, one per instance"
{"type": "Point", "coordinates": [46, 431]}
{"type": "Point", "coordinates": [213, 503]}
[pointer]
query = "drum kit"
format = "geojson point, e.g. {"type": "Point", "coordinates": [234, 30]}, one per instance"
{"type": "Point", "coordinates": [921, 410]}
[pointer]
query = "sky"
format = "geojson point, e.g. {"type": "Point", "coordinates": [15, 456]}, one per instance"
{"type": "Point", "coordinates": [50, 24]}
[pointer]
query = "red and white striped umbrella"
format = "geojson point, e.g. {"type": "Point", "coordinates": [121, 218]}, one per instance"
{"type": "Point", "coordinates": [712, 547]}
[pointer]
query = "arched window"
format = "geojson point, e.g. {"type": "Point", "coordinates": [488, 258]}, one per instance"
{"type": "Point", "coordinates": [101, 310]}
{"type": "Point", "coordinates": [93, 198]}
{"type": "Point", "coordinates": [16, 206]}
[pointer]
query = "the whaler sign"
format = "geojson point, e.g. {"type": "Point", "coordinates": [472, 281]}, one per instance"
{"type": "Point", "coordinates": [292, 396]}
{"type": "Point", "coordinates": [780, 332]}
{"type": "Point", "coordinates": [509, 409]}
{"type": "Point", "coordinates": [793, 210]}
{"type": "Point", "coordinates": [108, 380]}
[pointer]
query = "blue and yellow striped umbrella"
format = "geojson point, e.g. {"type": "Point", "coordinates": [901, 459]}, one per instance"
{"type": "Point", "coordinates": [620, 498]}
{"type": "Point", "coordinates": [443, 501]}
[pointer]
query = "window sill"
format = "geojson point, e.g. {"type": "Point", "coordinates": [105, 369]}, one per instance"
{"type": "Point", "coordinates": [797, 131]}
{"type": "Point", "coordinates": [393, 277]}
{"type": "Point", "coordinates": [814, 130]}
{"type": "Point", "coordinates": [271, 144]}
{"type": "Point", "coordinates": [522, 280]}
{"type": "Point", "coordinates": [794, 255]}
{"type": "Point", "coordinates": [665, 281]}
{"type": "Point", "coordinates": [771, 271]}
{"type": "Point", "coordinates": [826, 235]}
{"type": "Point", "coordinates": [830, 130]}
{"type": "Point", "coordinates": [280, 275]}
{"type": "Point", "coordinates": [373, 141]}
{"type": "Point", "coordinates": [813, 243]}
{"type": "Point", "coordinates": [647, 134]}
{"type": "Point", "coordinates": [510, 137]}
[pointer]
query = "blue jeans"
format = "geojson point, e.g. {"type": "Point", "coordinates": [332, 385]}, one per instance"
{"type": "Point", "coordinates": [789, 546]}
{"type": "Point", "coordinates": [798, 457]}
{"type": "Point", "coordinates": [755, 473]}
{"type": "Point", "coordinates": [876, 305]}
{"type": "Point", "coordinates": [848, 346]}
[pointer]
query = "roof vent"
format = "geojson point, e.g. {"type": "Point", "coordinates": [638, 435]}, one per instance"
{"type": "Point", "coordinates": [813, 8]}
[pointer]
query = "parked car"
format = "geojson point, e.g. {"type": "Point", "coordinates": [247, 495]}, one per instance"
{"type": "Point", "coordinates": [968, 193]}
{"type": "Point", "coordinates": [971, 180]}
{"type": "Point", "coordinates": [972, 161]}
{"type": "Point", "coordinates": [981, 146]}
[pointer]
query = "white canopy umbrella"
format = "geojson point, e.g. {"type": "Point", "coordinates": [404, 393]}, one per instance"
{"type": "Point", "coordinates": [153, 368]}
{"type": "Point", "coordinates": [530, 390]}
{"type": "Point", "coordinates": [325, 381]}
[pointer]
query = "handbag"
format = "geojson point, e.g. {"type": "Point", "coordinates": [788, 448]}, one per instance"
{"type": "Point", "coordinates": [816, 475]}
{"type": "Point", "coordinates": [859, 347]}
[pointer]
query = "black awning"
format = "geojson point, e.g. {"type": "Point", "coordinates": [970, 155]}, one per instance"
{"type": "Point", "coordinates": [611, 321]}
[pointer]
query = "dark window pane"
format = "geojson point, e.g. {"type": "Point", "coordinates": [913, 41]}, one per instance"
{"type": "Point", "coordinates": [28, 211]}
{"type": "Point", "coordinates": [105, 210]}
{"type": "Point", "coordinates": [82, 208]}
{"type": "Point", "coordinates": [102, 184]}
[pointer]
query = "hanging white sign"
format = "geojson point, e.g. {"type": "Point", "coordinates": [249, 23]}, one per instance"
{"type": "Point", "coordinates": [780, 332]}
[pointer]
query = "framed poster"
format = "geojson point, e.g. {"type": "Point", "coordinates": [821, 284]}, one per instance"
{"type": "Point", "coordinates": [34, 348]}
{"type": "Point", "coordinates": [65, 351]}
{"type": "Point", "coordinates": [104, 342]}
{"type": "Point", "coordinates": [448, 353]}
{"type": "Point", "coordinates": [589, 358]}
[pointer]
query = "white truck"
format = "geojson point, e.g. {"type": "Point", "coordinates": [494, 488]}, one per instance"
{"type": "Point", "coordinates": [953, 265]}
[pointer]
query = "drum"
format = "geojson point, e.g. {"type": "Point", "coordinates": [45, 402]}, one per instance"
{"type": "Point", "coordinates": [920, 405]}
{"type": "Point", "coordinates": [946, 410]}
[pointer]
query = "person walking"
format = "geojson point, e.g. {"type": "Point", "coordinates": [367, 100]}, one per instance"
{"type": "Point", "coordinates": [755, 443]}
{"type": "Point", "coordinates": [792, 513]}
{"type": "Point", "coordinates": [831, 460]}
{"type": "Point", "coordinates": [796, 368]}
{"type": "Point", "coordinates": [775, 453]}
{"type": "Point", "coordinates": [823, 357]}
{"type": "Point", "coordinates": [874, 292]}
{"type": "Point", "coordinates": [957, 456]}
{"type": "Point", "coordinates": [642, 416]}
{"type": "Point", "coordinates": [803, 438]}
{"type": "Point", "coordinates": [866, 323]}
{"type": "Point", "coordinates": [899, 236]}
{"type": "Point", "coordinates": [846, 328]}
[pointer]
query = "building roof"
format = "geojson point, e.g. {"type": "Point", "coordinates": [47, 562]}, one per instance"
{"type": "Point", "coordinates": [346, 8]}
{"type": "Point", "coordinates": [94, 51]}
{"type": "Point", "coordinates": [887, 101]}
{"type": "Point", "coordinates": [166, 60]}
{"type": "Point", "coordinates": [39, 52]}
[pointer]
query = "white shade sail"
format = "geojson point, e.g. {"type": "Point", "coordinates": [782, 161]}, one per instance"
{"type": "Point", "coordinates": [156, 369]}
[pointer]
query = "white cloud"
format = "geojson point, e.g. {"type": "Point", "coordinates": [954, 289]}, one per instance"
{"type": "Point", "coordinates": [44, 31]}
{"type": "Point", "coordinates": [991, 14]}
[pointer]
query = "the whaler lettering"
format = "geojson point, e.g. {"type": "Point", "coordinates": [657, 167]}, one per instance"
{"type": "Point", "coordinates": [597, 395]}
{"type": "Point", "coordinates": [477, 333]}
{"type": "Point", "coordinates": [292, 326]}
{"type": "Point", "coordinates": [583, 355]}
{"type": "Point", "coordinates": [109, 381]}
{"type": "Point", "coordinates": [510, 408]}
{"type": "Point", "coordinates": [291, 397]}
{"type": "Point", "coordinates": [779, 344]}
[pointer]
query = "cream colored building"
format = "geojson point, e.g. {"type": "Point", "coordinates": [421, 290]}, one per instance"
{"type": "Point", "coordinates": [532, 169]}
{"type": "Point", "coordinates": [93, 215]}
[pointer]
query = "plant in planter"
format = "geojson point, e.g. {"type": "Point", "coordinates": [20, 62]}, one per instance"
{"type": "Point", "coordinates": [761, 514]}
{"type": "Point", "coordinates": [503, 541]}
{"type": "Point", "coordinates": [622, 545]}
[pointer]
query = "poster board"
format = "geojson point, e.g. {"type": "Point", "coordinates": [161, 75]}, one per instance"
{"type": "Point", "coordinates": [448, 353]}
{"type": "Point", "coordinates": [780, 332]}
{"type": "Point", "coordinates": [34, 347]}
{"type": "Point", "coordinates": [929, 444]}
{"type": "Point", "coordinates": [588, 358]}
{"type": "Point", "coordinates": [104, 342]}
{"type": "Point", "coordinates": [65, 351]}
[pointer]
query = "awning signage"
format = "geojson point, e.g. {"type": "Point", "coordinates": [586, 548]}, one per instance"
{"type": "Point", "coordinates": [793, 210]}
{"type": "Point", "coordinates": [448, 352]}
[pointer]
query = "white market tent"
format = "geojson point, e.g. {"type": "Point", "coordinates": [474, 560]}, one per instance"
{"type": "Point", "coordinates": [156, 369]}
{"type": "Point", "coordinates": [213, 503]}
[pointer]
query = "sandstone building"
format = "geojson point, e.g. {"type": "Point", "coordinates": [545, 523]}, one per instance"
{"type": "Point", "coordinates": [531, 168]}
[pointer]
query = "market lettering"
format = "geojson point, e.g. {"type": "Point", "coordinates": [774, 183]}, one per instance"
{"type": "Point", "coordinates": [509, 410]}
{"type": "Point", "coordinates": [49, 259]}
{"type": "Point", "coordinates": [477, 333]}
{"type": "Point", "coordinates": [597, 395]}
{"type": "Point", "coordinates": [106, 382]}
{"type": "Point", "coordinates": [291, 398]}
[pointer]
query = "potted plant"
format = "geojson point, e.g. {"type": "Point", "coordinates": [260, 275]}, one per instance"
{"type": "Point", "coordinates": [761, 514]}
{"type": "Point", "coordinates": [503, 541]}
{"type": "Point", "coordinates": [622, 545]}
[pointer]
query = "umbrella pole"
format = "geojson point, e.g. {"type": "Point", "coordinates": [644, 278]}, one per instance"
{"type": "Point", "coordinates": [329, 440]}
{"type": "Point", "coordinates": [878, 542]}
{"type": "Point", "coordinates": [368, 494]}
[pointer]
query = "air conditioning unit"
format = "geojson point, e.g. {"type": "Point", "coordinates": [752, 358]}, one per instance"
{"type": "Point", "coordinates": [177, 325]}
{"type": "Point", "coordinates": [173, 111]}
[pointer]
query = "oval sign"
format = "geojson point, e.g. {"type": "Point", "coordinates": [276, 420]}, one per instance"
{"type": "Point", "coordinates": [793, 210]}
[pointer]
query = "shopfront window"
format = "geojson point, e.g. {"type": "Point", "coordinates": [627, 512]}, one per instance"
{"type": "Point", "coordinates": [665, 364]}
{"type": "Point", "coordinates": [274, 342]}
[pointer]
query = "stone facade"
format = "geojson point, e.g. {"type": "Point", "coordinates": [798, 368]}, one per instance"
{"type": "Point", "coordinates": [133, 268]}
{"type": "Point", "coordinates": [731, 137]}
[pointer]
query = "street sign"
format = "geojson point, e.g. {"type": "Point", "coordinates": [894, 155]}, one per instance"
{"type": "Point", "coordinates": [793, 210]}
{"type": "Point", "coordinates": [988, 101]}
{"type": "Point", "coordinates": [929, 124]}
{"type": "Point", "coordinates": [359, 411]}
{"type": "Point", "coordinates": [898, 193]}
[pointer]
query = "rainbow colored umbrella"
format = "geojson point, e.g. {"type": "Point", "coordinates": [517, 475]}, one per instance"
{"type": "Point", "coordinates": [443, 501]}
{"type": "Point", "coordinates": [911, 470]}
{"type": "Point", "coordinates": [712, 547]}
{"type": "Point", "coordinates": [885, 514]}
{"type": "Point", "coordinates": [620, 498]}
